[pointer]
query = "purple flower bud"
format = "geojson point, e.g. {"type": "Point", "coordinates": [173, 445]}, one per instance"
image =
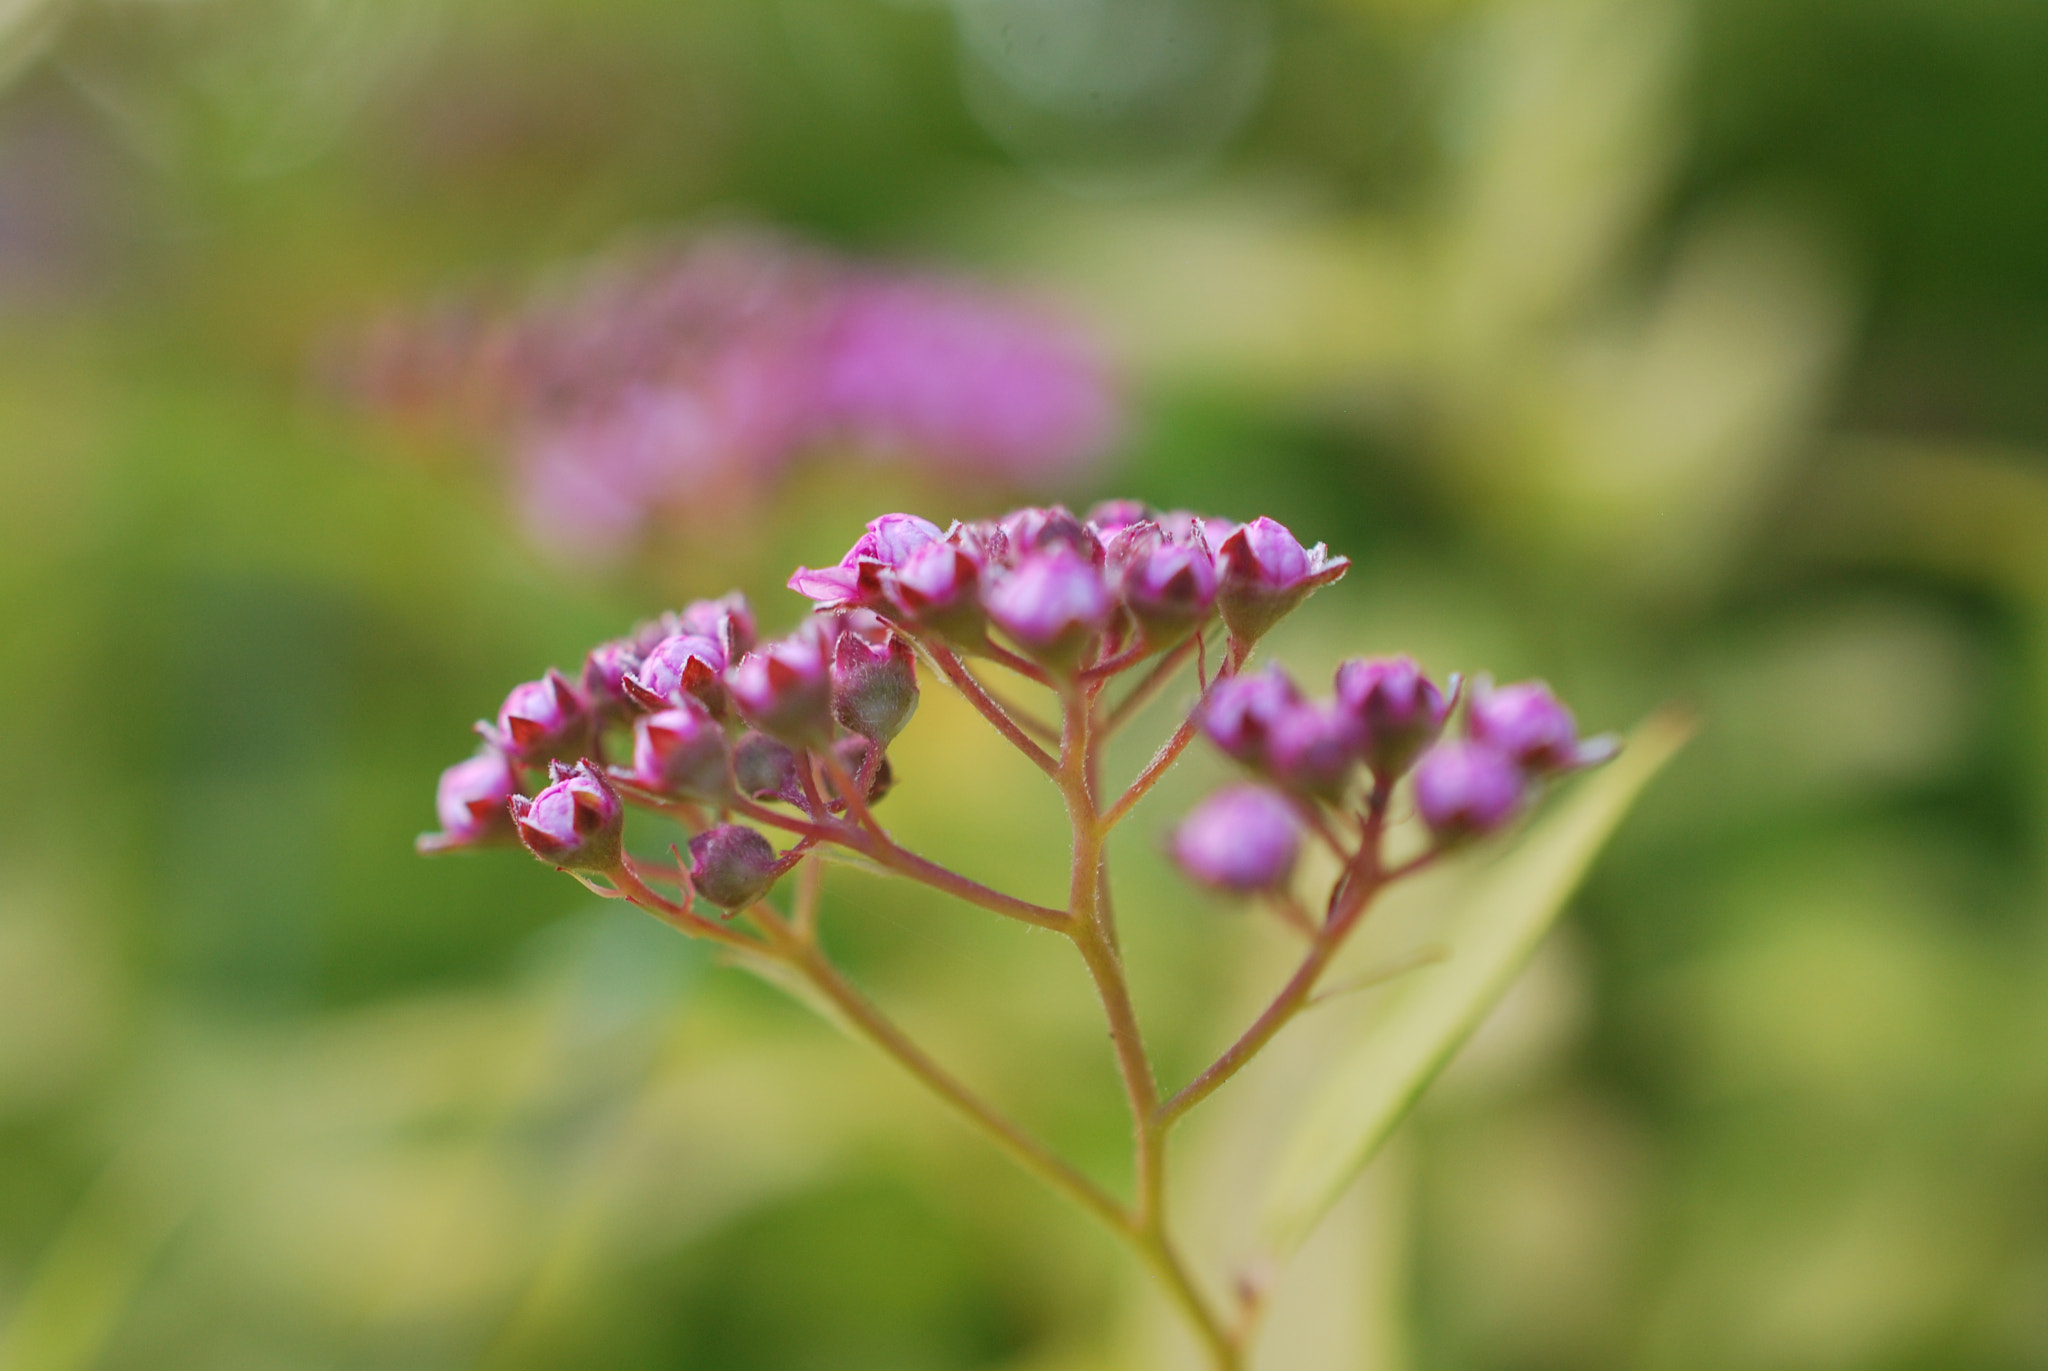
{"type": "Point", "coordinates": [1243, 839]}
{"type": "Point", "coordinates": [678, 668]}
{"type": "Point", "coordinates": [764, 769]}
{"type": "Point", "coordinates": [939, 589]}
{"type": "Point", "coordinates": [727, 621]}
{"type": "Point", "coordinates": [1239, 712]}
{"type": "Point", "coordinates": [681, 751]}
{"type": "Point", "coordinates": [874, 686]}
{"type": "Point", "coordinates": [1112, 516]}
{"type": "Point", "coordinates": [785, 689]}
{"type": "Point", "coordinates": [575, 822]}
{"type": "Point", "coordinates": [1052, 603]}
{"type": "Point", "coordinates": [1265, 572]}
{"type": "Point", "coordinates": [1400, 709]}
{"type": "Point", "coordinates": [471, 801]}
{"type": "Point", "coordinates": [732, 865]}
{"type": "Point", "coordinates": [1464, 789]}
{"type": "Point", "coordinates": [853, 755]}
{"type": "Point", "coordinates": [1526, 723]}
{"type": "Point", "coordinates": [1032, 529]}
{"type": "Point", "coordinates": [1312, 747]}
{"type": "Point", "coordinates": [1168, 587]}
{"type": "Point", "coordinates": [604, 675]}
{"type": "Point", "coordinates": [541, 720]}
{"type": "Point", "coordinates": [889, 542]}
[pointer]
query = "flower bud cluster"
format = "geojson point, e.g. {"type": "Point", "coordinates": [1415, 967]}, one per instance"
{"type": "Point", "coordinates": [1069, 593]}
{"type": "Point", "coordinates": [706, 714]}
{"type": "Point", "coordinates": [1385, 720]}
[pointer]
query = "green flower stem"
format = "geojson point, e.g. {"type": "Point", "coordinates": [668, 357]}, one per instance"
{"type": "Point", "coordinates": [803, 955]}
{"type": "Point", "coordinates": [1355, 894]}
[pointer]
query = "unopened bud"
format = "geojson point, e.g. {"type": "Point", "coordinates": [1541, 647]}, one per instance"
{"type": "Point", "coordinates": [471, 802]}
{"type": "Point", "coordinates": [575, 822]}
{"type": "Point", "coordinates": [763, 768]}
{"type": "Point", "coordinates": [1466, 789]}
{"type": "Point", "coordinates": [785, 689]}
{"type": "Point", "coordinates": [541, 721]}
{"type": "Point", "coordinates": [681, 751]}
{"type": "Point", "coordinates": [1400, 709]}
{"type": "Point", "coordinates": [1243, 839]}
{"type": "Point", "coordinates": [852, 755]}
{"type": "Point", "coordinates": [874, 686]}
{"type": "Point", "coordinates": [1169, 587]}
{"type": "Point", "coordinates": [1239, 712]}
{"type": "Point", "coordinates": [679, 667]}
{"type": "Point", "coordinates": [1265, 573]}
{"type": "Point", "coordinates": [732, 865]}
{"type": "Point", "coordinates": [1312, 749]}
{"type": "Point", "coordinates": [1052, 604]}
{"type": "Point", "coordinates": [938, 589]}
{"type": "Point", "coordinates": [727, 621]}
{"type": "Point", "coordinates": [1529, 725]}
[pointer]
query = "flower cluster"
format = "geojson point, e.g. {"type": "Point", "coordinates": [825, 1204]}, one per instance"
{"type": "Point", "coordinates": [1320, 760]}
{"type": "Point", "coordinates": [1071, 594]}
{"type": "Point", "coordinates": [708, 717]}
{"type": "Point", "coordinates": [677, 375]}
{"type": "Point", "coordinates": [740, 738]}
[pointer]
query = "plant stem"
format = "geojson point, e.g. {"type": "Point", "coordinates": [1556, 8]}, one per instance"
{"type": "Point", "coordinates": [1034, 1156]}
{"type": "Point", "coordinates": [887, 852]}
{"type": "Point", "coordinates": [1359, 884]}
{"type": "Point", "coordinates": [1153, 680]}
{"type": "Point", "coordinates": [1170, 752]}
{"type": "Point", "coordinates": [964, 682]}
{"type": "Point", "coordinates": [1094, 939]}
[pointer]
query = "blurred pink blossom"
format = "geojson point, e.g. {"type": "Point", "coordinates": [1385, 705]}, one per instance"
{"type": "Point", "coordinates": [680, 379]}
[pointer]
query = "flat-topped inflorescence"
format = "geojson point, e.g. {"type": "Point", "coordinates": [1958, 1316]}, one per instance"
{"type": "Point", "coordinates": [750, 744]}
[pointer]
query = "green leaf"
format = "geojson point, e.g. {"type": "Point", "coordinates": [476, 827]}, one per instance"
{"type": "Point", "coordinates": [1428, 1014]}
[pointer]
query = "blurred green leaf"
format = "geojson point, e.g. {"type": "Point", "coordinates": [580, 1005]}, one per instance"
{"type": "Point", "coordinates": [1428, 1016]}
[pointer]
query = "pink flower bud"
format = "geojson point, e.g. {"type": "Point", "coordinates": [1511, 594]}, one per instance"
{"type": "Point", "coordinates": [889, 542]}
{"type": "Point", "coordinates": [1168, 586]}
{"type": "Point", "coordinates": [1465, 789]}
{"type": "Point", "coordinates": [727, 621]}
{"type": "Point", "coordinates": [1400, 709]}
{"type": "Point", "coordinates": [1113, 516]}
{"type": "Point", "coordinates": [1266, 572]}
{"type": "Point", "coordinates": [874, 686]}
{"type": "Point", "coordinates": [1052, 604]}
{"type": "Point", "coordinates": [1243, 839]}
{"type": "Point", "coordinates": [575, 822]}
{"type": "Point", "coordinates": [732, 865]}
{"type": "Point", "coordinates": [681, 751]}
{"type": "Point", "coordinates": [1312, 747]}
{"type": "Point", "coordinates": [678, 668]}
{"type": "Point", "coordinates": [1032, 529]}
{"type": "Point", "coordinates": [471, 802]}
{"type": "Point", "coordinates": [1239, 712]}
{"type": "Point", "coordinates": [604, 675]}
{"type": "Point", "coordinates": [541, 721]}
{"type": "Point", "coordinates": [1529, 725]}
{"type": "Point", "coordinates": [785, 690]}
{"type": "Point", "coordinates": [938, 588]}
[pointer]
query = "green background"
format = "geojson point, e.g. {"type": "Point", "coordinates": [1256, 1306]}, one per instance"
{"type": "Point", "coordinates": [1669, 352]}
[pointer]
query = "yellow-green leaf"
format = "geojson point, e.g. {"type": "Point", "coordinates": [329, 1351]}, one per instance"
{"type": "Point", "coordinates": [1429, 1014]}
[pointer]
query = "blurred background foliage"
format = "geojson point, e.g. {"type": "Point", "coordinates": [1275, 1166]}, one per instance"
{"type": "Point", "coordinates": [1667, 350]}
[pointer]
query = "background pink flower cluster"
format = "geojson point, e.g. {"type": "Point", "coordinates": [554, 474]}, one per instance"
{"type": "Point", "coordinates": [676, 377]}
